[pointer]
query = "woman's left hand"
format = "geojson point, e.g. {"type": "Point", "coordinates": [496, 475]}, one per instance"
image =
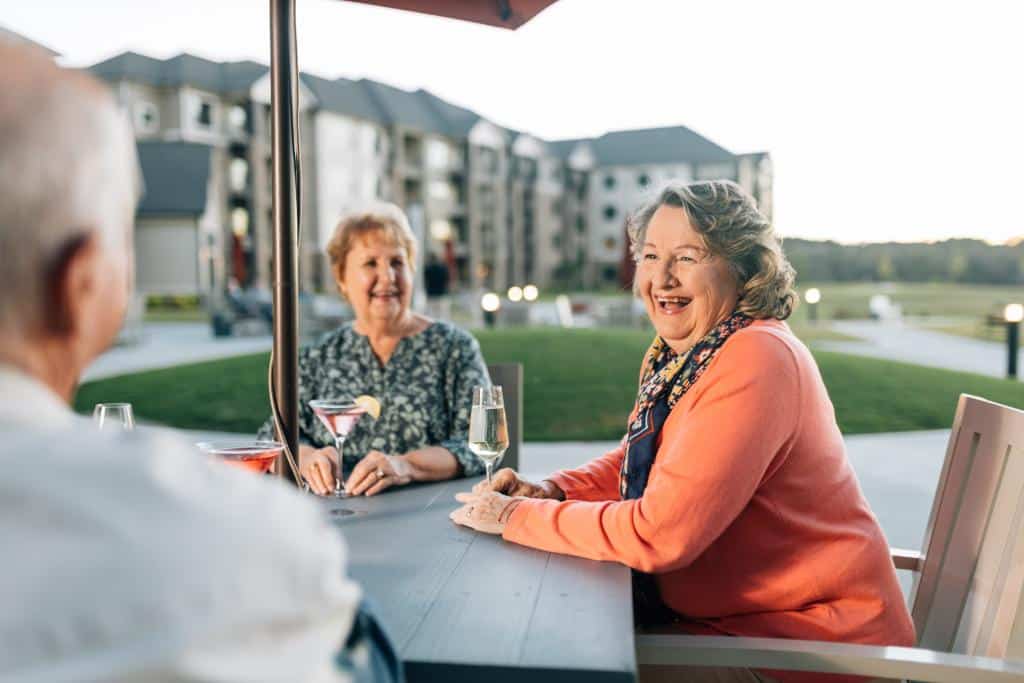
{"type": "Point", "coordinates": [377, 472]}
{"type": "Point", "coordinates": [485, 511]}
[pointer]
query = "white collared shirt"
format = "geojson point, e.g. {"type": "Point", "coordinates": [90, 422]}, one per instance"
{"type": "Point", "coordinates": [131, 557]}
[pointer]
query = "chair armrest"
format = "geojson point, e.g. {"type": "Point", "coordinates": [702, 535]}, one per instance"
{"type": "Point", "coordinates": [907, 559]}
{"type": "Point", "coordinates": [823, 657]}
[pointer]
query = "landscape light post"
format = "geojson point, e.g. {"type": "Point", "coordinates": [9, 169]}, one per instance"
{"type": "Point", "coordinates": [812, 296]}
{"type": "Point", "coordinates": [1012, 315]}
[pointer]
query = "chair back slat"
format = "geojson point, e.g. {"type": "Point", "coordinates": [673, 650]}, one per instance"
{"type": "Point", "coordinates": [509, 376]}
{"type": "Point", "coordinates": [967, 597]}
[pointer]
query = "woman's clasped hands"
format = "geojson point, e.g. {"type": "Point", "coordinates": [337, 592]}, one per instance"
{"type": "Point", "coordinates": [489, 506]}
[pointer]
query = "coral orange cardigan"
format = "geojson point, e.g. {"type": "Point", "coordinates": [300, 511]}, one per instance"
{"type": "Point", "coordinates": [752, 520]}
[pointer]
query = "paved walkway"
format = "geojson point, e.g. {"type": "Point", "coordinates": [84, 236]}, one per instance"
{"type": "Point", "coordinates": [165, 345]}
{"type": "Point", "coordinates": [901, 342]}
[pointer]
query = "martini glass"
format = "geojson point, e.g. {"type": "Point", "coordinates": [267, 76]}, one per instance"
{"type": "Point", "coordinates": [339, 416]}
{"type": "Point", "coordinates": [254, 456]}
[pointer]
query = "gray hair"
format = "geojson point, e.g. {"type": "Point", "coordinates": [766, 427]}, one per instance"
{"type": "Point", "coordinates": [68, 171]}
{"type": "Point", "coordinates": [728, 221]}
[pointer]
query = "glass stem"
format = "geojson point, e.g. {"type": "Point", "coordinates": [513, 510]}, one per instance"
{"type": "Point", "coordinates": [488, 467]}
{"type": "Point", "coordinates": [339, 481]}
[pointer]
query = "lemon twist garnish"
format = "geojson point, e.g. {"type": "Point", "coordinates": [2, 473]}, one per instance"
{"type": "Point", "coordinates": [369, 404]}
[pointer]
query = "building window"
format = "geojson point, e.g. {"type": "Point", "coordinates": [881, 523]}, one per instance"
{"type": "Point", "coordinates": [238, 118]}
{"type": "Point", "coordinates": [556, 241]}
{"type": "Point", "coordinates": [238, 173]}
{"type": "Point", "coordinates": [147, 117]}
{"type": "Point", "coordinates": [643, 180]}
{"type": "Point", "coordinates": [610, 212]}
{"type": "Point", "coordinates": [204, 116]}
{"type": "Point", "coordinates": [441, 191]}
{"type": "Point", "coordinates": [610, 273]}
{"type": "Point", "coordinates": [609, 243]}
{"type": "Point", "coordinates": [609, 182]}
{"type": "Point", "coordinates": [438, 155]}
{"type": "Point", "coordinates": [581, 223]}
{"type": "Point", "coordinates": [240, 222]}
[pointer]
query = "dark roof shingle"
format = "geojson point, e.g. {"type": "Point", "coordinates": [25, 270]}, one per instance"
{"type": "Point", "coordinates": [405, 108]}
{"type": "Point", "coordinates": [657, 146]}
{"type": "Point", "coordinates": [184, 69]}
{"type": "Point", "coordinates": [343, 96]}
{"type": "Point", "coordinates": [176, 175]}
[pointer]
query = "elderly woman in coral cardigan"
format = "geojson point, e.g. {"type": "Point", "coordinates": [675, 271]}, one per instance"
{"type": "Point", "coordinates": [730, 495]}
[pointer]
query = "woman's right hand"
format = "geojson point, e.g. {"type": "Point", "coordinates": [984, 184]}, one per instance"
{"type": "Point", "coordinates": [508, 482]}
{"type": "Point", "coordinates": [318, 467]}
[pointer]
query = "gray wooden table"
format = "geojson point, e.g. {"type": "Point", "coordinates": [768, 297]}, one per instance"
{"type": "Point", "coordinates": [465, 606]}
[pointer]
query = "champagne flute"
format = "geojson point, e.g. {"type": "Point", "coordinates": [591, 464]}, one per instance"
{"type": "Point", "coordinates": [108, 416]}
{"type": "Point", "coordinates": [488, 430]}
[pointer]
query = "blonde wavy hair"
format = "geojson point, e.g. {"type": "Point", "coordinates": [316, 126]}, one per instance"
{"type": "Point", "coordinates": [382, 219]}
{"type": "Point", "coordinates": [728, 221]}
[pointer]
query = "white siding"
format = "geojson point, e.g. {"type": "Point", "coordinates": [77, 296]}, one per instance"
{"type": "Point", "coordinates": [348, 168]}
{"type": "Point", "coordinates": [167, 256]}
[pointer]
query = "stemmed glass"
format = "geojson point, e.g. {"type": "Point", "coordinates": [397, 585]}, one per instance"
{"type": "Point", "coordinates": [340, 417]}
{"type": "Point", "coordinates": [488, 429]}
{"type": "Point", "coordinates": [255, 456]}
{"type": "Point", "coordinates": [108, 416]}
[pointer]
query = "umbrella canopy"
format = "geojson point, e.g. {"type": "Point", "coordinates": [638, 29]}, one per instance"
{"type": "Point", "coordinates": [284, 103]}
{"type": "Point", "coordinates": [509, 14]}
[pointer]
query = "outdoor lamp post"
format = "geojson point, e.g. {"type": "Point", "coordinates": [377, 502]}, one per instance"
{"type": "Point", "coordinates": [515, 293]}
{"type": "Point", "coordinates": [530, 292]}
{"type": "Point", "coordinates": [490, 302]}
{"type": "Point", "coordinates": [812, 296]}
{"type": "Point", "coordinates": [1012, 315]}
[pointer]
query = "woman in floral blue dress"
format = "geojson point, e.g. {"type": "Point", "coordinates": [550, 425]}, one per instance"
{"type": "Point", "coordinates": [421, 371]}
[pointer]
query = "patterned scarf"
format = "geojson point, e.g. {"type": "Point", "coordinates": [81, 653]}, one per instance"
{"type": "Point", "coordinates": [664, 378]}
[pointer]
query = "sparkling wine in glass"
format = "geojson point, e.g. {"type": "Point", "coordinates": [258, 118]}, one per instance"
{"type": "Point", "coordinates": [340, 417]}
{"type": "Point", "coordinates": [488, 429]}
{"type": "Point", "coordinates": [113, 416]}
{"type": "Point", "coordinates": [254, 456]}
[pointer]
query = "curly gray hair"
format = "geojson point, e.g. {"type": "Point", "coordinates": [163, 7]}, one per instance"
{"type": "Point", "coordinates": [731, 226]}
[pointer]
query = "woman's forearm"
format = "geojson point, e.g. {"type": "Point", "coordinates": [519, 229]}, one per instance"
{"type": "Point", "coordinates": [432, 463]}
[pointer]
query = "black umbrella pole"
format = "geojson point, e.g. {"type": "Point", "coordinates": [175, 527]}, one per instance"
{"type": "Point", "coordinates": [284, 150]}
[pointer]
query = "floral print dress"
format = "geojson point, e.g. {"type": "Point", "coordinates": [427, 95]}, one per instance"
{"type": "Point", "coordinates": [425, 392]}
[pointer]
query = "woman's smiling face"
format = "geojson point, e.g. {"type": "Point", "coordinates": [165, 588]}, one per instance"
{"type": "Point", "coordinates": [378, 278]}
{"type": "Point", "coordinates": [686, 290]}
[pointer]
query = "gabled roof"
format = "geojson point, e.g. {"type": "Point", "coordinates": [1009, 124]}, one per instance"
{"type": "Point", "coordinates": [405, 108]}
{"type": "Point", "coordinates": [458, 120]}
{"type": "Point", "coordinates": [656, 146]}
{"type": "Point", "coordinates": [176, 175]}
{"type": "Point", "coordinates": [563, 148]}
{"type": "Point", "coordinates": [184, 69]}
{"type": "Point", "coordinates": [344, 97]}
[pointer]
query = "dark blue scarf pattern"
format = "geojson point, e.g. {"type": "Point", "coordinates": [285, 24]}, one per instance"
{"type": "Point", "coordinates": [664, 378]}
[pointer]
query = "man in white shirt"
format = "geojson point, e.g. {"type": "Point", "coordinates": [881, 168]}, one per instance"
{"type": "Point", "coordinates": [128, 557]}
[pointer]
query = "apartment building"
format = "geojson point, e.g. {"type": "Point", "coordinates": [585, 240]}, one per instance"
{"type": "Point", "coordinates": [499, 206]}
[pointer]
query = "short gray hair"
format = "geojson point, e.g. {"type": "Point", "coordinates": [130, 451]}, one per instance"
{"type": "Point", "coordinates": [68, 171]}
{"type": "Point", "coordinates": [728, 221]}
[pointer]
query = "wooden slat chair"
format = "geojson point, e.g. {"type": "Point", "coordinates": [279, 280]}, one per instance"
{"type": "Point", "coordinates": [967, 599]}
{"type": "Point", "coordinates": [509, 376]}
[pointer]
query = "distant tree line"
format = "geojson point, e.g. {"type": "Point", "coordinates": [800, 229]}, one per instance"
{"type": "Point", "coordinates": [960, 260]}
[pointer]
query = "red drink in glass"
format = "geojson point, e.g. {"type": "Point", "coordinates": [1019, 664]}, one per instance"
{"type": "Point", "coordinates": [254, 456]}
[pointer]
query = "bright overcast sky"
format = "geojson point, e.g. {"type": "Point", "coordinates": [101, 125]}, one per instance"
{"type": "Point", "coordinates": [891, 119]}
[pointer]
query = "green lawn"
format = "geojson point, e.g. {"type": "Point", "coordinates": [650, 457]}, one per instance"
{"type": "Point", "coordinates": [579, 385]}
{"type": "Point", "coordinates": [850, 299]}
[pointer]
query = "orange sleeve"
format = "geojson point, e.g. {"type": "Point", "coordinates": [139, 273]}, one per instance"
{"type": "Point", "coordinates": [709, 465]}
{"type": "Point", "coordinates": [597, 480]}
